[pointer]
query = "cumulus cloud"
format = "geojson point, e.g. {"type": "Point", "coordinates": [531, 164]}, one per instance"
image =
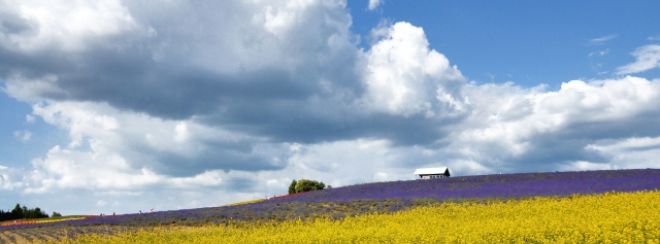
{"type": "Point", "coordinates": [33, 26]}
{"type": "Point", "coordinates": [646, 58]}
{"type": "Point", "coordinates": [151, 98]}
{"type": "Point", "coordinates": [632, 152]}
{"type": "Point", "coordinates": [405, 77]}
{"type": "Point", "coordinates": [109, 148]}
{"type": "Point", "coordinates": [237, 54]}
{"type": "Point", "coordinates": [373, 4]}
{"type": "Point", "coordinates": [237, 99]}
{"type": "Point", "coordinates": [6, 181]}
{"type": "Point", "coordinates": [513, 128]}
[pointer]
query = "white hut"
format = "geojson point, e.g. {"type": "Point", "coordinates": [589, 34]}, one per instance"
{"type": "Point", "coordinates": [432, 173]}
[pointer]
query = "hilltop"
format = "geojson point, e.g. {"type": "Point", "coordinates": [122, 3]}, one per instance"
{"type": "Point", "coordinates": [369, 198]}
{"type": "Point", "coordinates": [395, 195]}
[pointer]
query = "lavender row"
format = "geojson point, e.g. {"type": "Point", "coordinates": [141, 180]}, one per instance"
{"type": "Point", "coordinates": [233, 214]}
{"type": "Point", "coordinates": [493, 186]}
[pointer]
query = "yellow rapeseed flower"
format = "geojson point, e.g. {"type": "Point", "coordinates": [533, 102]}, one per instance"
{"type": "Point", "coordinates": [603, 218]}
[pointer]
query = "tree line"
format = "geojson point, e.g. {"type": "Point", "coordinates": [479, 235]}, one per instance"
{"type": "Point", "coordinates": [23, 212]}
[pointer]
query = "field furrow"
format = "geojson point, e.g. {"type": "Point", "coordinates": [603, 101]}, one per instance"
{"type": "Point", "coordinates": [4, 238]}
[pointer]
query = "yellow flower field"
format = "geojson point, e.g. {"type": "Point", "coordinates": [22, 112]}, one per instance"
{"type": "Point", "coordinates": [604, 218]}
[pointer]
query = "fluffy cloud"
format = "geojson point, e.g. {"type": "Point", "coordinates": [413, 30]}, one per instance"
{"type": "Point", "coordinates": [34, 26]}
{"type": "Point", "coordinates": [513, 128]}
{"type": "Point", "coordinates": [632, 152]}
{"type": "Point", "coordinates": [217, 52]}
{"type": "Point", "coordinates": [6, 181]}
{"type": "Point", "coordinates": [373, 4]}
{"type": "Point", "coordinates": [404, 77]}
{"type": "Point", "coordinates": [209, 102]}
{"type": "Point", "coordinates": [177, 94]}
{"type": "Point", "coordinates": [110, 149]}
{"type": "Point", "coordinates": [646, 58]}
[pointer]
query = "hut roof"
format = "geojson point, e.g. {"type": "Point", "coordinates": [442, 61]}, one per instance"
{"type": "Point", "coordinates": [431, 171]}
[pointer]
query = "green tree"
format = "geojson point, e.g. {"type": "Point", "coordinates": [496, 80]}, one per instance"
{"type": "Point", "coordinates": [292, 187]}
{"type": "Point", "coordinates": [17, 212]}
{"type": "Point", "coordinates": [305, 185]}
{"type": "Point", "coordinates": [22, 212]}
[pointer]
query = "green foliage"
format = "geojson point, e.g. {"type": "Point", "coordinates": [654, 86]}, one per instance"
{"type": "Point", "coordinates": [292, 187]}
{"type": "Point", "coordinates": [56, 215]}
{"type": "Point", "coordinates": [22, 213]}
{"type": "Point", "coordinates": [305, 185]}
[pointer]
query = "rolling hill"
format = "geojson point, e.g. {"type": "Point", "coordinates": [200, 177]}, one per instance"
{"type": "Point", "coordinates": [359, 199]}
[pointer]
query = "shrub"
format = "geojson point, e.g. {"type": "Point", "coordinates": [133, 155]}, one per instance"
{"type": "Point", "coordinates": [305, 185]}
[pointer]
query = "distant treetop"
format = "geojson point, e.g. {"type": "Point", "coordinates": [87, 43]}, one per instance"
{"type": "Point", "coordinates": [22, 213]}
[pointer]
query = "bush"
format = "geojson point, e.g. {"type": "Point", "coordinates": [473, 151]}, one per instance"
{"type": "Point", "coordinates": [305, 185]}
{"type": "Point", "coordinates": [56, 215]}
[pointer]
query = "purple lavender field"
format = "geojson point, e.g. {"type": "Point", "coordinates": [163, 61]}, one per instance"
{"type": "Point", "coordinates": [493, 186]}
{"type": "Point", "coordinates": [369, 198]}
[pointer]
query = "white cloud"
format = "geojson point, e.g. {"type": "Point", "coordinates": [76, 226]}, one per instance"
{"type": "Point", "coordinates": [646, 58]}
{"type": "Point", "coordinates": [158, 109]}
{"type": "Point", "coordinates": [403, 76]}
{"type": "Point", "coordinates": [32, 89]}
{"type": "Point", "coordinates": [63, 24]}
{"type": "Point", "coordinates": [632, 152]}
{"type": "Point", "coordinates": [103, 171]}
{"type": "Point", "coordinates": [207, 178]}
{"type": "Point", "coordinates": [30, 119]}
{"type": "Point", "coordinates": [585, 165]}
{"type": "Point", "coordinates": [64, 168]}
{"type": "Point", "coordinates": [23, 135]}
{"type": "Point", "coordinates": [356, 161]}
{"type": "Point", "coordinates": [602, 40]}
{"type": "Point", "coordinates": [509, 123]}
{"type": "Point", "coordinates": [111, 149]}
{"type": "Point", "coordinates": [6, 181]}
{"type": "Point", "coordinates": [373, 4]}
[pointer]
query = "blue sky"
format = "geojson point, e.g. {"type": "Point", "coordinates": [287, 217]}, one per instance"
{"type": "Point", "coordinates": [524, 41]}
{"type": "Point", "coordinates": [205, 103]}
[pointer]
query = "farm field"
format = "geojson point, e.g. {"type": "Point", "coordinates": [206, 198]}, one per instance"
{"type": "Point", "coordinates": [615, 205]}
{"type": "Point", "coordinates": [608, 217]}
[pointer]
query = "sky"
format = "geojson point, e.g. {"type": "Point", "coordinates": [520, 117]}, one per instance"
{"type": "Point", "coordinates": [126, 106]}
